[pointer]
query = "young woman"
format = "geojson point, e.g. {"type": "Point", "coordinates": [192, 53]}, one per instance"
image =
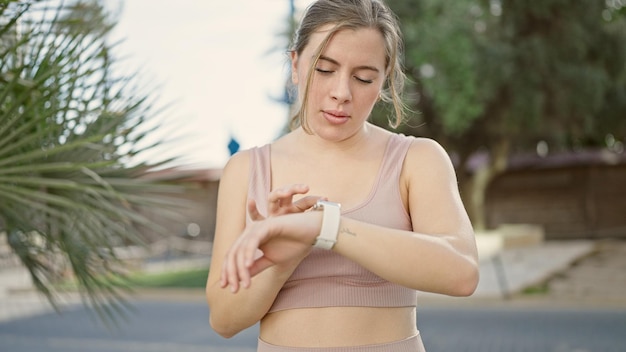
{"type": "Point", "coordinates": [326, 234]}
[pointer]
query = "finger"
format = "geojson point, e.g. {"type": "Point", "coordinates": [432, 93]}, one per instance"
{"type": "Point", "coordinates": [224, 280]}
{"type": "Point", "coordinates": [286, 194]}
{"type": "Point", "coordinates": [230, 267]}
{"type": "Point", "coordinates": [280, 200]}
{"type": "Point", "coordinates": [229, 278]}
{"type": "Point", "coordinates": [248, 242]}
{"type": "Point", "coordinates": [223, 276]}
{"type": "Point", "coordinates": [259, 266]}
{"type": "Point", "coordinates": [306, 203]}
{"type": "Point", "coordinates": [254, 211]}
{"type": "Point", "coordinates": [242, 268]}
{"type": "Point", "coordinates": [298, 188]}
{"type": "Point", "coordinates": [251, 252]}
{"type": "Point", "coordinates": [274, 203]}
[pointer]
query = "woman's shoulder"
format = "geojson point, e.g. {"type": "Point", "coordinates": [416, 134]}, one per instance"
{"type": "Point", "coordinates": [420, 146]}
{"type": "Point", "coordinates": [427, 151]}
{"type": "Point", "coordinates": [242, 157]}
{"type": "Point", "coordinates": [425, 145]}
{"type": "Point", "coordinates": [238, 159]}
{"type": "Point", "coordinates": [237, 167]}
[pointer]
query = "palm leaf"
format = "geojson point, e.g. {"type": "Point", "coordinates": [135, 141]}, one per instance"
{"type": "Point", "coordinates": [69, 129]}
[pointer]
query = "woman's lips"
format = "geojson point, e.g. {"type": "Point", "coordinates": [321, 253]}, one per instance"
{"type": "Point", "coordinates": [336, 117]}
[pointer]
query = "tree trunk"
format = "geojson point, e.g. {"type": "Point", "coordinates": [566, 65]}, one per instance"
{"type": "Point", "coordinates": [475, 187]}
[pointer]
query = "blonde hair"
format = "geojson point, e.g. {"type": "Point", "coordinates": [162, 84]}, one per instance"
{"type": "Point", "coordinates": [354, 14]}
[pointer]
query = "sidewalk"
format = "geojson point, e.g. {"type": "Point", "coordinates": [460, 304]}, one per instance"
{"type": "Point", "coordinates": [504, 274]}
{"type": "Point", "coordinates": [18, 298]}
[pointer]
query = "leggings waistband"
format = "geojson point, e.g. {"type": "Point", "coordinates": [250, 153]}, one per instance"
{"type": "Point", "coordinates": [411, 344]}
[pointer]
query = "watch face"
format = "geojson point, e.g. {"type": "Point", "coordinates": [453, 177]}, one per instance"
{"type": "Point", "coordinates": [322, 203]}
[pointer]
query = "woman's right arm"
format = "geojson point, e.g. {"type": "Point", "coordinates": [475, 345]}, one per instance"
{"type": "Point", "coordinates": [230, 312]}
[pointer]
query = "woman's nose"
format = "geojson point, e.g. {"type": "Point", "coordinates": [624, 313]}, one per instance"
{"type": "Point", "coordinates": [341, 89]}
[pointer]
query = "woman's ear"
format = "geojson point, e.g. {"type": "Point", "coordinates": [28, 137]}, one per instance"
{"type": "Point", "coordinates": [294, 67]}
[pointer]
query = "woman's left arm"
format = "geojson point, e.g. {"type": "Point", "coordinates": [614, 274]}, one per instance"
{"type": "Point", "coordinates": [440, 254]}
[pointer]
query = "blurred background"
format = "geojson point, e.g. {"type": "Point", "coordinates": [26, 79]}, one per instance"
{"type": "Point", "coordinates": [116, 118]}
{"type": "Point", "coordinates": [528, 99]}
{"type": "Point", "coordinates": [222, 65]}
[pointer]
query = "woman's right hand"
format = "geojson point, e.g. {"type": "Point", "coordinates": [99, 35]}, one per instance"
{"type": "Point", "coordinates": [281, 252]}
{"type": "Point", "coordinates": [280, 202]}
{"type": "Point", "coordinates": [280, 241]}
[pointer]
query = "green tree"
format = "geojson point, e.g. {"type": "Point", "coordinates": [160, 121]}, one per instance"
{"type": "Point", "coordinates": [499, 76]}
{"type": "Point", "coordinates": [70, 128]}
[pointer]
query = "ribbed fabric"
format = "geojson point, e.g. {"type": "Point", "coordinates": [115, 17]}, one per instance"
{"type": "Point", "coordinates": [259, 184]}
{"type": "Point", "coordinates": [412, 344]}
{"type": "Point", "coordinates": [325, 278]}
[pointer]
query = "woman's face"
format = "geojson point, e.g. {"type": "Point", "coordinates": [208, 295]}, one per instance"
{"type": "Point", "coordinates": [347, 80]}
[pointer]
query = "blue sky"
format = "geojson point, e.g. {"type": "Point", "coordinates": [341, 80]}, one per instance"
{"type": "Point", "coordinates": [213, 60]}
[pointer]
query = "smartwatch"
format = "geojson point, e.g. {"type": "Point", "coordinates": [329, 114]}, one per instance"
{"type": "Point", "coordinates": [330, 224]}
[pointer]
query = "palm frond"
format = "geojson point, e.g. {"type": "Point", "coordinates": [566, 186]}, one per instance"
{"type": "Point", "coordinates": [69, 128]}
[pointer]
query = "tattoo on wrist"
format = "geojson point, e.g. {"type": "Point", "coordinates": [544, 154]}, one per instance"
{"type": "Point", "coordinates": [347, 231]}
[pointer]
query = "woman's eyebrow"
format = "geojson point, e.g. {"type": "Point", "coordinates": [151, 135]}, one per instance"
{"type": "Point", "coordinates": [362, 67]}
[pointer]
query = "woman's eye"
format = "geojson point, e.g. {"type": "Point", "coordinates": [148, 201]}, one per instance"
{"type": "Point", "coordinates": [326, 72]}
{"type": "Point", "coordinates": [322, 71]}
{"type": "Point", "coordinates": [362, 80]}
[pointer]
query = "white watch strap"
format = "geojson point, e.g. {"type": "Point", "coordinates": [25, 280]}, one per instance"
{"type": "Point", "coordinates": [330, 224]}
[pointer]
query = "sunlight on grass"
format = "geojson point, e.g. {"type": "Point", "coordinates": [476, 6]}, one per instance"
{"type": "Point", "coordinates": [190, 278]}
{"type": "Point", "coordinates": [538, 289]}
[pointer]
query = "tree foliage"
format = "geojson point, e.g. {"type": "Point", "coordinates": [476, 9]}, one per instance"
{"type": "Point", "coordinates": [70, 127]}
{"type": "Point", "coordinates": [499, 76]}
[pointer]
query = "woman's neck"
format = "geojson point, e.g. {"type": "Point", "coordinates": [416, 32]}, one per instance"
{"type": "Point", "coordinates": [356, 143]}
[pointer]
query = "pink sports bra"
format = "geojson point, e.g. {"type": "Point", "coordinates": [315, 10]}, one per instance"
{"type": "Point", "coordinates": [325, 278]}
